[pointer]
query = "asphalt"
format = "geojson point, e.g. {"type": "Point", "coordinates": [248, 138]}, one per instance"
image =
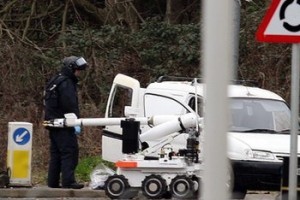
{"type": "Point", "coordinates": [86, 193]}
{"type": "Point", "coordinates": [45, 192]}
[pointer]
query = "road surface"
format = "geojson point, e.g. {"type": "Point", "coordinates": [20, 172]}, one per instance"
{"type": "Point", "coordinates": [44, 193]}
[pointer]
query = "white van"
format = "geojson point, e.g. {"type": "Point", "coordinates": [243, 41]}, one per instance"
{"type": "Point", "coordinates": [258, 135]}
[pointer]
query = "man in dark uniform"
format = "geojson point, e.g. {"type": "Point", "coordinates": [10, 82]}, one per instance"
{"type": "Point", "coordinates": [61, 98]}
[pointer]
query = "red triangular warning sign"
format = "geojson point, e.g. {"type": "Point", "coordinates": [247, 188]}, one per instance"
{"type": "Point", "coordinates": [281, 22]}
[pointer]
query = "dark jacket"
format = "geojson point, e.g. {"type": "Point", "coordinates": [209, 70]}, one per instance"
{"type": "Point", "coordinates": [67, 99]}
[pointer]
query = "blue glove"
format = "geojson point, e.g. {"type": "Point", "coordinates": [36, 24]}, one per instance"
{"type": "Point", "coordinates": [77, 130]}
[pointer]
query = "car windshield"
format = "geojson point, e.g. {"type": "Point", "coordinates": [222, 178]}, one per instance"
{"type": "Point", "coordinates": [259, 115]}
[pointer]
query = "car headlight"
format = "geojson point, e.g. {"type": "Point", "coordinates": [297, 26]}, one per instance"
{"type": "Point", "coordinates": [261, 155]}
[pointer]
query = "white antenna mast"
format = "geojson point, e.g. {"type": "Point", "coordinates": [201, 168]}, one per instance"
{"type": "Point", "coordinates": [196, 104]}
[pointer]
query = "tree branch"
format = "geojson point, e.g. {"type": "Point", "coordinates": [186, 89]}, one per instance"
{"type": "Point", "coordinates": [8, 6]}
{"type": "Point", "coordinates": [137, 13]}
{"type": "Point", "coordinates": [44, 14]}
{"type": "Point", "coordinates": [63, 23]}
{"type": "Point", "coordinates": [6, 30]}
{"type": "Point", "coordinates": [29, 19]}
{"type": "Point", "coordinates": [96, 13]}
{"type": "Point", "coordinates": [13, 35]}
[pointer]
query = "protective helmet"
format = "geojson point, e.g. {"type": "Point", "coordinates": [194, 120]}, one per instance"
{"type": "Point", "coordinates": [75, 63]}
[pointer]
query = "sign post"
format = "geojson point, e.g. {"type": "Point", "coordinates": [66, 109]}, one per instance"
{"type": "Point", "coordinates": [282, 24]}
{"type": "Point", "coordinates": [19, 153]}
{"type": "Point", "coordinates": [294, 122]}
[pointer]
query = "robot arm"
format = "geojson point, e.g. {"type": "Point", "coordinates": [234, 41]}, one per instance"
{"type": "Point", "coordinates": [162, 126]}
{"type": "Point", "coordinates": [175, 125]}
{"type": "Point", "coordinates": [71, 120]}
{"type": "Point", "coordinates": [157, 146]}
{"type": "Point", "coordinates": [171, 129]}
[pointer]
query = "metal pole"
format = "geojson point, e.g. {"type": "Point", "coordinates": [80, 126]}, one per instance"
{"type": "Point", "coordinates": [294, 122]}
{"type": "Point", "coordinates": [217, 62]}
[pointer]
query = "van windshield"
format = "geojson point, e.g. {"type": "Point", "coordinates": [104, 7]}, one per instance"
{"type": "Point", "coordinates": [259, 115]}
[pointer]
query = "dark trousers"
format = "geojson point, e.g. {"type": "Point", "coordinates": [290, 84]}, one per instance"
{"type": "Point", "coordinates": [63, 157]}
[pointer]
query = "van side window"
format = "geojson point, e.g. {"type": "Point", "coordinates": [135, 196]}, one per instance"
{"type": "Point", "coordinates": [122, 97]}
{"type": "Point", "coordinates": [161, 105]}
{"type": "Point", "coordinates": [192, 104]}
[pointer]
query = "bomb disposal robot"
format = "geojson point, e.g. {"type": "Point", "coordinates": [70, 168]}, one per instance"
{"type": "Point", "coordinates": [175, 173]}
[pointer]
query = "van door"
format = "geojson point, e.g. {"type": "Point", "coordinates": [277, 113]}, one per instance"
{"type": "Point", "coordinates": [125, 91]}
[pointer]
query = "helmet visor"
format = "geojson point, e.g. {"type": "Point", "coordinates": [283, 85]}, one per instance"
{"type": "Point", "coordinates": [81, 64]}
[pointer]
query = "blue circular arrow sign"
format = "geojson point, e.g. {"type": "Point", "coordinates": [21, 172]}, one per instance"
{"type": "Point", "coordinates": [21, 136]}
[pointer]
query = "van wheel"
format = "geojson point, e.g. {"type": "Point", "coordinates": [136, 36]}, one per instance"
{"type": "Point", "coordinates": [229, 178]}
{"type": "Point", "coordinates": [116, 186]}
{"type": "Point", "coordinates": [238, 194]}
{"type": "Point", "coordinates": [154, 186]}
